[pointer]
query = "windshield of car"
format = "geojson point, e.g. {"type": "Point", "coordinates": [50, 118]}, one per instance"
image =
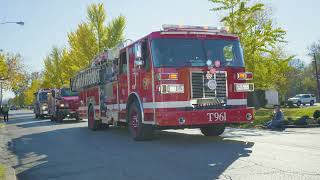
{"type": "Point", "coordinates": [66, 92]}
{"type": "Point", "coordinates": [43, 96]}
{"type": "Point", "coordinates": [195, 52]}
{"type": "Point", "coordinates": [298, 96]}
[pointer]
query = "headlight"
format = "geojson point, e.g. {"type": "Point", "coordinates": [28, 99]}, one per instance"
{"type": "Point", "coordinates": [66, 105]}
{"type": "Point", "coordinates": [171, 88]}
{"type": "Point", "coordinates": [243, 87]}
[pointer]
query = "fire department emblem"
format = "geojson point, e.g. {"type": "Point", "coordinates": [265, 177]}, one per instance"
{"type": "Point", "coordinates": [146, 83]}
{"type": "Point", "coordinates": [213, 70]}
{"type": "Point", "coordinates": [212, 84]}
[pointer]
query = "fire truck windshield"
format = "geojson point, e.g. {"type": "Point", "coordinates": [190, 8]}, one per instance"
{"type": "Point", "coordinates": [195, 52]}
{"type": "Point", "coordinates": [43, 96]}
{"type": "Point", "coordinates": [66, 92]}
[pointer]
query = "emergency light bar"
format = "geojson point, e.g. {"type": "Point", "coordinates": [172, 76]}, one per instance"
{"type": "Point", "coordinates": [170, 27]}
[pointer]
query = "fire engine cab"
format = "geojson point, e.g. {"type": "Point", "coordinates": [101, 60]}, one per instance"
{"type": "Point", "coordinates": [63, 103]}
{"type": "Point", "coordinates": [179, 77]}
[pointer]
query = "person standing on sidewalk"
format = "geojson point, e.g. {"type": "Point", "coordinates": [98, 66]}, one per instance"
{"type": "Point", "coordinates": [5, 112]}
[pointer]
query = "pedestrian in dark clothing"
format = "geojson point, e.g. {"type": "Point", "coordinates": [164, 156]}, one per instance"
{"type": "Point", "coordinates": [0, 110]}
{"type": "Point", "coordinates": [5, 113]}
{"type": "Point", "coordinates": [277, 119]}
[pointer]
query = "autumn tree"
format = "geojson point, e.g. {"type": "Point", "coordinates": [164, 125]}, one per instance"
{"type": "Point", "coordinates": [12, 70]}
{"type": "Point", "coordinates": [29, 92]}
{"type": "Point", "coordinates": [53, 69]}
{"type": "Point", "coordinates": [90, 38]}
{"type": "Point", "coordinates": [3, 66]}
{"type": "Point", "coordinates": [260, 40]}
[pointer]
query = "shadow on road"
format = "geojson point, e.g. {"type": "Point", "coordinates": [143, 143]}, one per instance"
{"type": "Point", "coordinates": [78, 153]}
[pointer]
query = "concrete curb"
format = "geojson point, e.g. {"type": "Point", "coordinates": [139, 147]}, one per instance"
{"type": "Point", "coordinates": [10, 174]}
{"type": "Point", "coordinates": [303, 126]}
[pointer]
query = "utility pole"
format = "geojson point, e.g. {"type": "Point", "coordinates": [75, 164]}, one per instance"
{"type": "Point", "coordinates": [21, 23]}
{"type": "Point", "coordinates": [317, 76]}
{"type": "Point", "coordinates": [1, 89]}
{"type": "Point", "coordinates": [1, 81]}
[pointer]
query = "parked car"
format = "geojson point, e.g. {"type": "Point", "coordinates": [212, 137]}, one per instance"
{"type": "Point", "coordinates": [13, 107]}
{"type": "Point", "coordinates": [303, 99]}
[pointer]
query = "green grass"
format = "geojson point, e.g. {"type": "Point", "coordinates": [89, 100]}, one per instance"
{"type": "Point", "coordinates": [263, 115]}
{"type": "Point", "coordinates": [2, 172]}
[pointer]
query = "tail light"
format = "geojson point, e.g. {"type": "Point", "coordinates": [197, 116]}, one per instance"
{"type": "Point", "coordinates": [245, 76]}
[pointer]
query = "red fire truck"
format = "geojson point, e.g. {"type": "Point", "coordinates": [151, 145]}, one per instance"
{"type": "Point", "coordinates": [63, 103]}
{"type": "Point", "coordinates": [179, 77]}
{"type": "Point", "coordinates": [41, 103]}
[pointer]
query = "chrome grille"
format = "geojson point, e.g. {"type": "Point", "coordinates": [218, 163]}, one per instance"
{"type": "Point", "coordinates": [200, 88]}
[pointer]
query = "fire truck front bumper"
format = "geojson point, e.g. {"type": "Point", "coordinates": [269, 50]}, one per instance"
{"type": "Point", "coordinates": [198, 118]}
{"type": "Point", "coordinates": [44, 112]}
{"type": "Point", "coordinates": [69, 113]}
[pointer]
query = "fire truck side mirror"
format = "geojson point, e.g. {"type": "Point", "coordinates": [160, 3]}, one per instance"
{"type": "Point", "coordinates": [137, 50]}
{"type": "Point", "coordinates": [53, 93]}
{"type": "Point", "coordinates": [138, 62]}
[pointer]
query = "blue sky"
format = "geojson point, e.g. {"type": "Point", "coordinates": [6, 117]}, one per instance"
{"type": "Point", "coordinates": [48, 22]}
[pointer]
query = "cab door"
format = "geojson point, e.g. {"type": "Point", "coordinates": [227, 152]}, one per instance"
{"type": "Point", "coordinates": [306, 98]}
{"type": "Point", "coordinates": [144, 73]}
{"type": "Point", "coordinates": [141, 77]}
{"type": "Point", "coordinates": [123, 83]}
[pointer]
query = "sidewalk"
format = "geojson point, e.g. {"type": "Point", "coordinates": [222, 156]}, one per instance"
{"type": "Point", "coordinates": [5, 154]}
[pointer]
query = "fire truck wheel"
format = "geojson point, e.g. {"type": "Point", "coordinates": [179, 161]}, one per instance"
{"type": "Point", "coordinates": [59, 117]}
{"type": "Point", "coordinates": [139, 131]}
{"type": "Point", "coordinates": [52, 119]}
{"type": "Point", "coordinates": [77, 118]}
{"type": "Point", "coordinates": [214, 130]}
{"type": "Point", "coordinates": [92, 123]}
{"type": "Point", "coordinates": [104, 126]}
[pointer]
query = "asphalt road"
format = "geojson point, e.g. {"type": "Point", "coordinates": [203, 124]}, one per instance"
{"type": "Point", "coordinates": [45, 150]}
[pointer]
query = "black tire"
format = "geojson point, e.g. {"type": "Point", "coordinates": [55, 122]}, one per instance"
{"type": "Point", "coordinates": [36, 116]}
{"type": "Point", "coordinates": [214, 130]}
{"type": "Point", "coordinates": [311, 103]}
{"type": "Point", "coordinates": [104, 126]}
{"type": "Point", "coordinates": [60, 117]}
{"type": "Point", "coordinates": [299, 103]}
{"type": "Point", "coordinates": [92, 123]}
{"type": "Point", "coordinates": [77, 117]}
{"type": "Point", "coordinates": [52, 119]}
{"type": "Point", "coordinates": [139, 131]}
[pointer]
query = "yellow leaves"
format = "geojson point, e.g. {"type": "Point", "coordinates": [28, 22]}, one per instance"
{"type": "Point", "coordinates": [29, 93]}
{"type": "Point", "coordinates": [53, 69]}
{"type": "Point", "coordinates": [3, 67]}
{"type": "Point", "coordinates": [260, 39]}
{"type": "Point", "coordinates": [89, 39]}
